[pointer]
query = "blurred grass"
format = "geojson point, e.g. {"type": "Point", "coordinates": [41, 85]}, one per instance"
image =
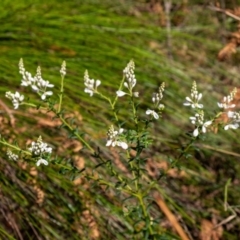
{"type": "Point", "coordinates": [102, 36]}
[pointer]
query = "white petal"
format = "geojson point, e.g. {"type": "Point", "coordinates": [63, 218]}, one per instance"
{"type": "Point", "coordinates": [98, 82]}
{"type": "Point", "coordinates": [35, 88]}
{"type": "Point", "coordinates": [230, 114]}
{"type": "Point", "coordinates": [109, 142]}
{"type": "Point", "coordinates": [124, 145]}
{"type": "Point", "coordinates": [161, 106]}
{"type": "Point", "coordinates": [44, 95]}
{"type": "Point", "coordinates": [50, 85]}
{"type": "Point", "coordinates": [231, 106]}
{"type": "Point", "coordinates": [24, 83]}
{"type": "Point", "coordinates": [208, 123]}
{"type": "Point", "coordinates": [195, 132]}
{"type": "Point", "coordinates": [133, 83]}
{"type": "Point", "coordinates": [136, 94]}
{"type": "Point", "coordinates": [204, 129]}
{"type": "Point", "coordinates": [21, 98]}
{"type": "Point", "coordinates": [199, 96]}
{"type": "Point", "coordinates": [15, 105]}
{"type": "Point", "coordinates": [125, 84]}
{"type": "Point", "coordinates": [188, 99]}
{"type": "Point", "coordinates": [155, 115]}
{"type": "Point", "coordinates": [120, 93]}
{"type": "Point", "coordinates": [42, 161]}
{"type": "Point", "coordinates": [149, 111]}
{"type": "Point", "coordinates": [234, 126]}
{"type": "Point", "coordinates": [226, 127]}
{"type": "Point", "coordinates": [87, 90]}
{"type": "Point", "coordinates": [220, 105]}
{"type": "Point", "coordinates": [121, 130]}
{"type": "Point", "coordinates": [17, 94]}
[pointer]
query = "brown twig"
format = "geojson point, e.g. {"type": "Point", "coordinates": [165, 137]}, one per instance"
{"type": "Point", "coordinates": [225, 11]}
{"type": "Point", "coordinates": [171, 217]}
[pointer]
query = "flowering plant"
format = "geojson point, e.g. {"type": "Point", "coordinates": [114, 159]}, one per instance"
{"type": "Point", "coordinates": [130, 139]}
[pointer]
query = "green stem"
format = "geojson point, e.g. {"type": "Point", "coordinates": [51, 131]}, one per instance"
{"type": "Point", "coordinates": [61, 94]}
{"type": "Point", "coordinates": [111, 104]}
{"type": "Point", "coordinates": [145, 213]}
{"type": "Point", "coordinates": [14, 147]}
{"type": "Point", "coordinates": [81, 139]}
{"type": "Point", "coordinates": [33, 105]}
{"type": "Point", "coordinates": [107, 183]}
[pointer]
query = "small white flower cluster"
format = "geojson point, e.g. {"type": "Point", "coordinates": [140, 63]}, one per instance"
{"type": "Point", "coordinates": [90, 84]}
{"type": "Point", "coordinates": [115, 138]}
{"type": "Point", "coordinates": [198, 119]}
{"type": "Point", "coordinates": [131, 80]}
{"type": "Point", "coordinates": [195, 98]}
{"type": "Point", "coordinates": [38, 149]}
{"type": "Point", "coordinates": [16, 98]}
{"type": "Point", "coordinates": [234, 120]}
{"type": "Point", "coordinates": [37, 83]}
{"type": "Point", "coordinates": [63, 69]}
{"type": "Point", "coordinates": [156, 98]}
{"type": "Point", "coordinates": [234, 117]}
{"type": "Point", "coordinates": [12, 156]}
{"type": "Point", "coordinates": [226, 103]}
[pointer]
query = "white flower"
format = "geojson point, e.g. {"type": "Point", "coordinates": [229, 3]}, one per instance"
{"type": "Point", "coordinates": [38, 148]}
{"type": "Point", "coordinates": [153, 113]}
{"type": "Point", "coordinates": [16, 98]}
{"type": "Point", "coordinates": [205, 126]}
{"type": "Point", "coordinates": [231, 126]}
{"type": "Point", "coordinates": [194, 119]}
{"type": "Point", "coordinates": [45, 94]}
{"type": "Point", "coordinates": [113, 143]}
{"type": "Point", "coordinates": [234, 120]}
{"type": "Point", "coordinates": [195, 132]}
{"type": "Point", "coordinates": [91, 84]}
{"type": "Point", "coordinates": [120, 93]}
{"type": "Point", "coordinates": [195, 98]}
{"type": "Point", "coordinates": [193, 102]}
{"type": "Point", "coordinates": [156, 98]}
{"type": "Point", "coordinates": [115, 138]}
{"type": "Point", "coordinates": [136, 94]}
{"type": "Point", "coordinates": [12, 156]}
{"type": "Point", "coordinates": [63, 69]}
{"type": "Point", "coordinates": [230, 114]}
{"type": "Point", "coordinates": [198, 120]}
{"type": "Point", "coordinates": [226, 103]}
{"type": "Point", "coordinates": [37, 83]}
{"type": "Point", "coordinates": [21, 67]}
{"type": "Point", "coordinates": [42, 161]}
{"type": "Point", "coordinates": [27, 80]}
{"type": "Point", "coordinates": [130, 76]}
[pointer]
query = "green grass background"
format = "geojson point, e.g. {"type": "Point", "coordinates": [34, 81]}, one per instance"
{"type": "Point", "coordinates": [102, 36]}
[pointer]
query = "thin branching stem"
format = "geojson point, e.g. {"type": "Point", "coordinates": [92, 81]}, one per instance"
{"type": "Point", "coordinates": [61, 94]}
{"type": "Point", "coordinates": [80, 138]}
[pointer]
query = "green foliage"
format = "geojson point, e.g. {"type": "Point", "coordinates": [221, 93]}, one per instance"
{"type": "Point", "coordinates": [102, 36]}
